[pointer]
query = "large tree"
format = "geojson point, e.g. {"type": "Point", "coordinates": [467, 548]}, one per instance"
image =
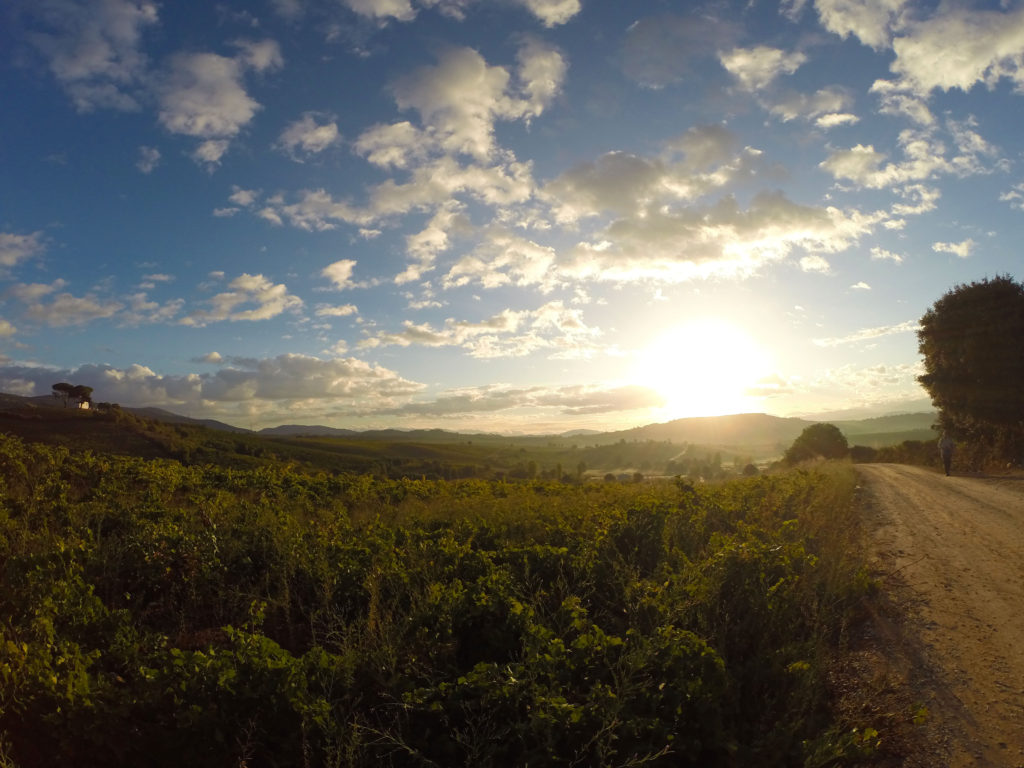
{"type": "Point", "coordinates": [972, 341]}
{"type": "Point", "coordinates": [823, 440]}
{"type": "Point", "coordinates": [62, 391]}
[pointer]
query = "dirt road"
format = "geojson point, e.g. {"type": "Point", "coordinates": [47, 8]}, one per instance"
{"type": "Point", "coordinates": [954, 548]}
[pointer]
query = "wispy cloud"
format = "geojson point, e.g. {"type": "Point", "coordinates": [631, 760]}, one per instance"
{"type": "Point", "coordinates": [868, 334]}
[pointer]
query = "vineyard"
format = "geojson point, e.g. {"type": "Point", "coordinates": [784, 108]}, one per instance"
{"type": "Point", "coordinates": [156, 613]}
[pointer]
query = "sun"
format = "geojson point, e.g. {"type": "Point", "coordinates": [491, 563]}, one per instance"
{"type": "Point", "coordinates": [703, 368]}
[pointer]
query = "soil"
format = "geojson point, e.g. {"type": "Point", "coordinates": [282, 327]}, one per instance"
{"type": "Point", "coordinates": [944, 660]}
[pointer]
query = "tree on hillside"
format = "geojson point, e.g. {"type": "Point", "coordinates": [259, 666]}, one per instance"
{"type": "Point", "coordinates": [77, 392]}
{"type": "Point", "coordinates": [972, 341]}
{"type": "Point", "coordinates": [823, 440]}
{"type": "Point", "coordinates": [63, 391]}
{"type": "Point", "coordinates": [82, 393]}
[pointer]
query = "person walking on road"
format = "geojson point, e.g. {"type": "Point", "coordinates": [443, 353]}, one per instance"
{"type": "Point", "coordinates": [946, 451]}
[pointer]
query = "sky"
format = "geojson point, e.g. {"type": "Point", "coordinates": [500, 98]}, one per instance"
{"type": "Point", "coordinates": [498, 215]}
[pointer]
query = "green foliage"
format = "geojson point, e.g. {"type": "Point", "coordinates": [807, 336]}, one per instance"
{"type": "Point", "coordinates": [971, 341]}
{"type": "Point", "coordinates": [155, 613]}
{"type": "Point", "coordinates": [818, 440]}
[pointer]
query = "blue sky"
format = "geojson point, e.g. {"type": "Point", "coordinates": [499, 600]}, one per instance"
{"type": "Point", "coordinates": [501, 215]}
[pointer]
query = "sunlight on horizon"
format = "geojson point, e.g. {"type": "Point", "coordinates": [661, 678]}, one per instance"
{"type": "Point", "coordinates": [703, 368]}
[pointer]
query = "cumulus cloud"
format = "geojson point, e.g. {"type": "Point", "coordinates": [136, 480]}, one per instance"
{"type": "Point", "coordinates": [241, 387]}
{"type": "Point", "coordinates": [756, 68]}
{"type": "Point", "coordinates": [306, 138]}
{"type": "Point", "coordinates": [552, 327]}
{"type": "Point", "coordinates": [549, 12]}
{"type": "Point", "coordinates": [142, 310]}
{"type": "Point", "coordinates": [505, 259]}
{"type": "Point", "coordinates": [93, 48]}
{"type": "Point", "coordinates": [15, 248]}
{"type": "Point", "coordinates": [626, 184]}
{"type": "Point", "coordinates": [460, 98]}
{"type": "Point", "coordinates": [718, 240]}
{"type": "Point", "coordinates": [925, 157]}
{"type": "Point", "coordinates": [431, 185]}
{"type": "Point", "coordinates": [402, 10]}
{"type": "Point", "coordinates": [870, 21]}
{"type": "Point", "coordinates": [988, 46]}
{"type": "Point", "coordinates": [424, 246]}
{"type": "Point", "coordinates": [962, 249]}
{"type": "Point", "coordinates": [343, 310]}
{"type": "Point", "coordinates": [250, 297]}
{"type": "Point", "coordinates": [202, 95]}
{"type": "Point", "coordinates": [552, 12]}
{"type": "Point", "coordinates": [827, 107]}
{"type": "Point", "coordinates": [65, 309]}
{"type": "Point", "coordinates": [340, 273]}
{"type": "Point", "coordinates": [881, 254]}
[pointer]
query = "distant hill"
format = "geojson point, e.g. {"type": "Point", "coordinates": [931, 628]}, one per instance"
{"type": "Point", "coordinates": [667, 449]}
{"type": "Point", "coordinates": [159, 414]}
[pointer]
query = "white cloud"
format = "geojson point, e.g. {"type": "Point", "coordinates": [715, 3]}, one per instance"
{"type": "Point", "coordinates": [925, 157]}
{"type": "Point", "coordinates": [148, 159]}
{"type": "Point", "coordinates": [225, 213]}
{"type": "Point", "coordinates": [719, 240]}
{"type": "Point", "coordinates": [424, 246]}
{"type": "Point", "coordinates": [142, 310]}
{"type": "Point", "coordinates": [7, 330]}
{"type": "Point", "coordinates": [552, 12]}
{"type": "Point", "coordinates": [898, 99]}
{"type": "Point", "coordinates": [66, 309]}
{"type": "Point", "coordinates": [860, 286]}
{"type": "Point", "coordinates": [237, 303]}
{"type": "Point", "coordinates": [815, 263]}
{"type": "Point", "coordinates": [960, 47]}
{"type": "Point", "coordinates": [869, 334]}
{"type": "Point", "coordinates": [241, 389]}
{"type": "Point", "coordinates": [505, 259]}
{"type": "Point", "coordinates": [1015, 197]}
{"type": "Point", "coordinates": [552, 327]}
{"type": "Point", "coordinates": [834, 119]}
{"type": "Point", "coordinates": [202, 96]}
{"type": "Point", "coordinates": [432, 185]}
{"type": "Point", "coordinates": [306, 137]}
{"type": "Point", "coordinates": [93, 48]}
{"type": "Point", "coordinates": [755, 68]}
{"type": "Point", "coordinates": [460, 98]}
{"type": "Point", "coordinates": [962, 249]}
{"type": "Point", "coordinates": [243, 197]}
{"type": "Point", "coordinates": [340, 273]}
{"type": "Point", "coordinates": [343, 310]}
{"type": "Point", "coordinates": [15, 249]}
{"type": "Point", "coordinates": [824, 105]}
{"type": "Point", "coordinates": [215, 358]}
{"type": "Point", "coordinates": [396, 145]}
{"type": "Point", "coordinates": [880, 254]}
{"type": "Point", "coordinates": [871, 21]}
{"type": "Point", "coordinates": [401, 10]}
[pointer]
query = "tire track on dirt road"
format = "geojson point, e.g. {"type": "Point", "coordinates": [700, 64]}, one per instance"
{"type": "Point", "coordinates": [956, 545]}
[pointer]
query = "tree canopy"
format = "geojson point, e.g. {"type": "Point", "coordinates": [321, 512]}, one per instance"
{"type": "Point", "coordinates": [972, 341]}
{"type": "Point", "coordinates": [65, 391]}
{"type": "Point", "coordinates": [823, 440]}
